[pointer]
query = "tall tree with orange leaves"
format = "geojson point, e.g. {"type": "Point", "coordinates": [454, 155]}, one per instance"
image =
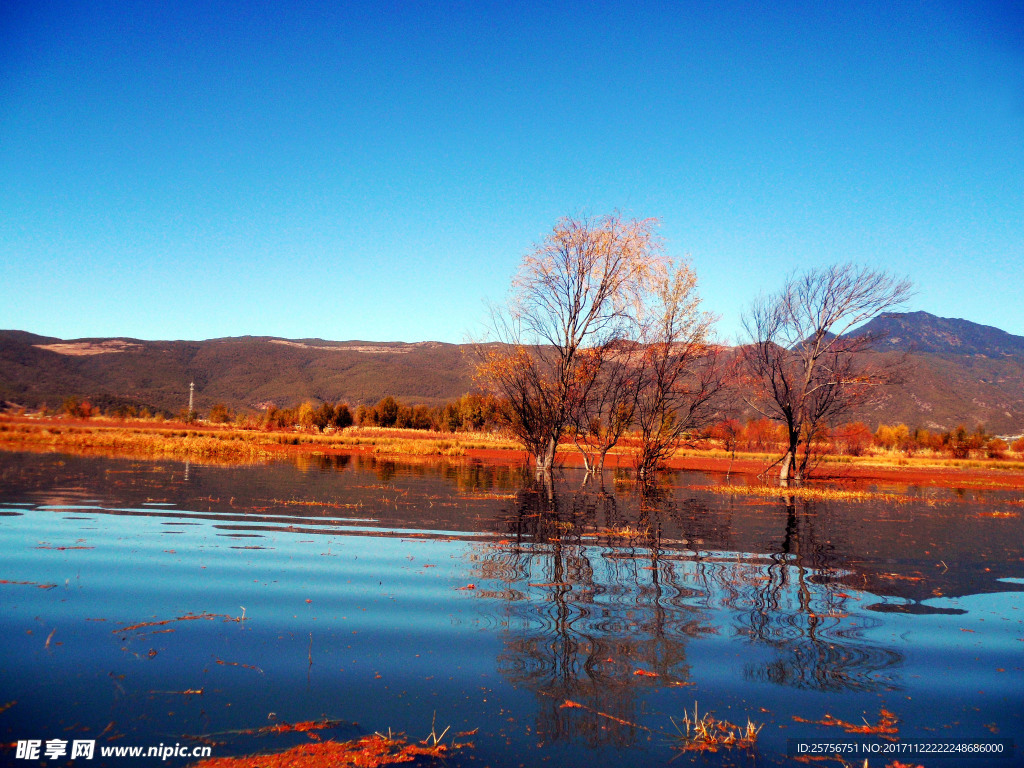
{"type": "Point", "coordinates": [576, 295]}
{"type": "Point", "coordinates": [602, 333]}
{"type": "Point", "coordinates": [680, 373]}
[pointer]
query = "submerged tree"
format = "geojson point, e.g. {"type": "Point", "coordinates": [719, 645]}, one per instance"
{"type": "Point", "coordinates": [601, 419]}
{"type": "Point", "coordinates": [679, 373]}
{"type": "Point", "coordinates": [806, 368]}
{"type": "Point", "coordinates": [573, 300]}
{"type": "Point", "coordinates": [602, 334]}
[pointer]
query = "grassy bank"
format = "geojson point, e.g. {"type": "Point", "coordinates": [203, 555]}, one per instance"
{"type": "Point", "coordinates": [169, 440]}
{"type": "Point", "coordinates": [226, 444]}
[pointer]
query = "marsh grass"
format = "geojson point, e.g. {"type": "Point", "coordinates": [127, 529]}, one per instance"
{"type": "Point", "coordinates": [823, 494]}
{"type": "Point", "coordinates": [699, 733]}
{"type": "Point", "coordinates": [367, 752]}
{"type": "Point", "coordinates": [233, 444]}
{"type": "Point", "coordinates": [420, 447]}
{"type": "Point", "coordinates": [138, 442]}
{"type": "Point", "coordinates": [228, 444]}
{"type": "Point", "coordinates": [624, 532]}
{"type": "Point", "coordinates": [924, 462]}
{"type": "Point", "coordinates": [705, 733]}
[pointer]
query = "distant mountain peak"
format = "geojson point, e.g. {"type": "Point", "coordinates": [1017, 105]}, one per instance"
{"type": "Point", "coordinates": [925, 332]}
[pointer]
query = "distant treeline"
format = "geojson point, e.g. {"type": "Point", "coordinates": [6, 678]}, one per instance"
{"type": "Point", "coordinates": [857, 439]}
{"type": "Point", "coordinates": [469, 413]}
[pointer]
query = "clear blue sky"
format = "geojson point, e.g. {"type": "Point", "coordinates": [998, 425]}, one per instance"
{"type": "Point", "coordinates": [376, 171]}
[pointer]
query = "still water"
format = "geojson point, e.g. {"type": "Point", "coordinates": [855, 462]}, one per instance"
{"type": "Point", "coordinates": [148, 602]}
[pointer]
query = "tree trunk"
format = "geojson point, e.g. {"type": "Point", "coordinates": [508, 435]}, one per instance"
{"type": "Point", "coordinates": [789, 468]}
{"type": "Point", "coordinates": [787, 461]}
{"type": "Point", "coordinates": [645, 468]}
{"type": "Point", "coordinates": [546, 459]}
{"type": "Point", "coordinates": [588, 466]}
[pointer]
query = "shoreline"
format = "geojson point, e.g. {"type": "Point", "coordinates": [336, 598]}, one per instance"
{"type": "Point", "coordinates": [226, 444]}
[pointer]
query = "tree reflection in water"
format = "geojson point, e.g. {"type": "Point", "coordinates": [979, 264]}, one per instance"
{"type": "Point", "coordinates": [800, 610]}
{"type": "Point", "coordinates": [601, 594]}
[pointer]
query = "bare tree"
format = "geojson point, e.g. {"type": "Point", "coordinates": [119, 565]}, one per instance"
{"type": "Point", "coordinates": [805, 368]}
{"type": "Point", "coordinates": [679, 373]}
{"type": "Point", "coordinates": [575, 294]}
{"type": "Point", "coordinates": [601, 419]}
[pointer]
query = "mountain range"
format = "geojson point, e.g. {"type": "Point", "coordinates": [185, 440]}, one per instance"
{"type": "Point", "coordinates": [956, 372]}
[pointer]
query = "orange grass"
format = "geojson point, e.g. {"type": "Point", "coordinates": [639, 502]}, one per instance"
{"type": "Point", "coordinates": [367, 752]}
{"type": "Point", "coordinates": [829, 494]}
{"type": "Point", "coordinates": [885, 727]}
{"type": "Point", "coordinates": [215, 444]}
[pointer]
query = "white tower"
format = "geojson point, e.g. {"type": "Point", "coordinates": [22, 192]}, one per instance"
{"type": "Point", "coordinates": [191, 394]}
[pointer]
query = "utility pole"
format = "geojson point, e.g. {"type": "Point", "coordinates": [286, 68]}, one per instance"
{"type": "Point", "coordinates": [191, 395]}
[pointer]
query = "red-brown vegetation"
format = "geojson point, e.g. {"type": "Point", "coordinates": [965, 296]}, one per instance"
{"type": "Point", "coordinates": [366, 752]}
{"type": "Point", "coordinates": [885, 727]}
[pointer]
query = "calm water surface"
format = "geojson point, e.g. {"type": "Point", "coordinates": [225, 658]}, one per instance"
{"type": "Point", "coordinates": [388, 595]}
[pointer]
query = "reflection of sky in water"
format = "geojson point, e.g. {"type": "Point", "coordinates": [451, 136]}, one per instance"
{"type": "Point", "coordinates": [757, 610]}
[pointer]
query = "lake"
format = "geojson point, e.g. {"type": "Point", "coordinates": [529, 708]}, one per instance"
{"type": "Point", "coordinates": [155, 602]}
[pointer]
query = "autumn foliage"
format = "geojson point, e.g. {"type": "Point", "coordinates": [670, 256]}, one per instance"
{"type": "Point", "coordinates": [602, 333]}
{"type": "Point", "coordinates": [857, 439]}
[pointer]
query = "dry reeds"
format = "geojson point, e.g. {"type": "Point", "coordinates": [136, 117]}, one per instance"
{"type": "Point", "coordinates": [228, 444]}
{"type": "Point", "coordinates": [822, 494]}
{"type": "Point", "coordinates": [704, 733]}
{"type": "Point", "coordinates": [161, 443]}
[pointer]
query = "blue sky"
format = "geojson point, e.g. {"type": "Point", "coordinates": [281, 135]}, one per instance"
{"type": "Point", "coordinates": [376, 171]}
